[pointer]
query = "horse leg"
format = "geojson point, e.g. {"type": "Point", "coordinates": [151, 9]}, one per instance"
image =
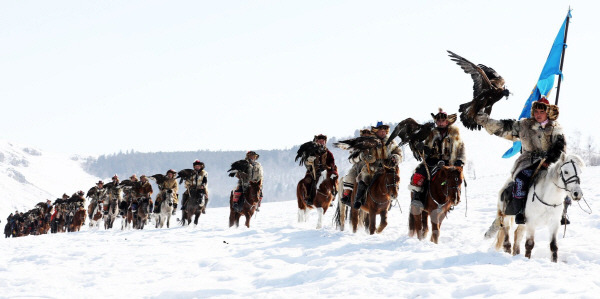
{"type": "Point", "coordinates": [248, 216]}
{"type": "Point", "coordinates": [435, 229]}
{"type": "Point", "coordinates": [517, 239]}
{"type": "Point", "coordinates": [231, 218]}
{"type": "Point", "coordinates": [301, 215]}
{"type": "Point", "coordinates": [411, 225]}
{"type": "Point", "coordinates": [529, 242]}
{"type": "Point", "coordinates": [354, 219]}
{"type": "Point", "coordinates": [320, 212]}
{"type": "Point", "coordinates": [553, 243]}
{"type": "Point", "coordinates": [237, 219]}
{"type": "Point", "coordinates": [383, 221]}
{"type": "Point", "coordinates": [197, 216]}
{"type": "Point", "coordinates": [372, 222]}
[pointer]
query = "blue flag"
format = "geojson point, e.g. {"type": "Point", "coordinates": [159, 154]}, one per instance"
{"type": "Point", "coordinates": [545, 82]}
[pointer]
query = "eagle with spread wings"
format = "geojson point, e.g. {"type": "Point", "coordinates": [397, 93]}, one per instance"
{"type": "Point", "coordinates": [411, 133]}
{"type": "Point", "coordinates": [488, 88]}
{"type": "Point", "coordinates": [358, 145]}
{"type": "Point", "coordinates": [308, 149]}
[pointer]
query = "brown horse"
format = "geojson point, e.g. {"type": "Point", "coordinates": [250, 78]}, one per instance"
{"type": "Point", "coordinates": [95, 212]}
{"type": "Point", "coordinates": [378, 198]}
{"type": "Point", "coordinates": [326, 187]}
{"type": "Point", "coordinates": [249, 200]}
{"type": "Point", "coordinates": [78, 220]}
{"type": "Point", "coordinates": [443, 194]}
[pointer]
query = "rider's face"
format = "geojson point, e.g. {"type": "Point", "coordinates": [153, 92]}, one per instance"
{"type": "Point", "coordinates": [540, 115]}
{"type": "Point", "coordinates": [381, 133]}
{"type": "Point", "coordinates": [441, 122]}
{"type": "Point", "coordinates": [321, 141]}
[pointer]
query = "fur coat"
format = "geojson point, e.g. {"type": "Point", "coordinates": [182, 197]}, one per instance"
{"type": "Point", "coordinates": [372, 157]}
{"type": "Point", "coordinates": [537, 142]}
{"type": "Point", "coordinates": [449, 147]}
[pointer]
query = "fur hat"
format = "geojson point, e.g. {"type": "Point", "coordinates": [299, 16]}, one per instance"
{"type": "Point", "coordinates": [320, 136]}
{"type": "Point", "coordinates": [252, 153]}
{"type": "Point", "coordinates": [443, 115]}
{"type": "Point", "coordinates": [380, 126]}
{"type": "Point", "coordinates": [171, 171]}
{"type": "Point", "coordinates": [115, 177]}
{"type": "Point", "coordinates": [133, 177]}
{"type": "Point", "coordinates": [543, 104]}
{"type": "Point", "coordinates": [197, 162]}
{"type": "Point", "coordinates": [100, 182]}
{"type": "Point", "coordinates": [143, 176]}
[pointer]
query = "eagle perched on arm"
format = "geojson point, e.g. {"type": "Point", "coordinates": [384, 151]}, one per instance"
{"type": "Point", "coordinates": [308, 149]}
{"type": "Point", "coordinates": [358, 145]}
{"type": "Point", "coordinates": [185, 174]}
{"type": "Point", "coordinates": [412, 133]}
{"type": "Point", "coordinates": [488, 88]}
{"type": "Point", "coordinates": [238, 166]}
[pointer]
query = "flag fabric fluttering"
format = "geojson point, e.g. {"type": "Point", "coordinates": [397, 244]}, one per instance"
{"type": "Point", "coordinates": [546, 81]}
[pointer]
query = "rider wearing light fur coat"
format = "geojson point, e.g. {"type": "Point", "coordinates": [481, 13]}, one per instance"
{"type": "Point", "coordinates": [374, 158]}
{"type": "Point", "coordinates": [442, 144]}
{"type": "Point", "coordinates": [542, 143]}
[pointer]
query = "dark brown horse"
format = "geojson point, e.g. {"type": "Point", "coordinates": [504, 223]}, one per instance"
{"type": "Point", "coordinates": [249, 200]}
{"type": "Point", "coordinates": [378, 198]}
{"type": "Point", "coordinates": [143, 213]}
{"type": "Point", "coordinates": [326, 187]}
{"type": "Point", "coordinates": [194, 205]}
{"type": "Point", "coordinates": [443, 194]}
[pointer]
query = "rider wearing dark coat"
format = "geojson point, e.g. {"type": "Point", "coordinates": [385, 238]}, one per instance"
{"type": "Point", "coordinates": [315, 165]}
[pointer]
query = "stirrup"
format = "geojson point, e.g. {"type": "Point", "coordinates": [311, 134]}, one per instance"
{"type": "Point", "coordinates": [520, 218]}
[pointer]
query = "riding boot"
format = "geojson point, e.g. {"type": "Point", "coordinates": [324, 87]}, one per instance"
{"type": "Point", "coordinates": [360, 192]}
{"type": "Point", "coordinates": [311, 193]}
{"type": "Point", "coordinates": [346, 199]}
{"type": "Point", "coordinates": [157, 208]}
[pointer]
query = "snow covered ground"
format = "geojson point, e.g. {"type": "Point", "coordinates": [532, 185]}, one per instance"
{"type": "Point", "coordinates": [280, 258]}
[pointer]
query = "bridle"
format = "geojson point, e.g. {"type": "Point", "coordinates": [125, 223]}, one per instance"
{"type": "Point", "coordinates": [566, 181]}
{"type": "Point", "coordinates": [455, 187]}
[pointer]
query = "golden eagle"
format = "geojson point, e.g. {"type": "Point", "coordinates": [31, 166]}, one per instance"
{"type": "Point", "coordinates": [238, 166]}
{"type": "Point", "coordinates": [185, 174]}
{"type": "Point", "coordinates": [308, 149]}
{"type": "Point", "coordinates": [411, 133]}
{"type": "Point", "coordinates": [488, 88]}
{"type": "Point", "coordinates": [358, 145]}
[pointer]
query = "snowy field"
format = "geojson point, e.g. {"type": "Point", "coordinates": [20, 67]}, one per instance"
{"type": "Point", "coordinates": [280, 258]}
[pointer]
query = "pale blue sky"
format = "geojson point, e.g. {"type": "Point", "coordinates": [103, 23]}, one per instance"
{"type": "Point", "coordinates": [103, 76]}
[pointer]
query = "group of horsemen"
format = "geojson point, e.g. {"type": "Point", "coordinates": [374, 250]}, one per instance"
{"type": "Point", "coordinates": [541, 137]}
{"type": "Point", "coordinates": [141, 190]}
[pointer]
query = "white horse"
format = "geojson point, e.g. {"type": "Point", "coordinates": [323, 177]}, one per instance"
{"type": "Point", "coordinates": [166, 208]}
{"type": "Point", "coordinates": [543, 208]}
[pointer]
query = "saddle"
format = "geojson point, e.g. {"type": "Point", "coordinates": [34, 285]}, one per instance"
{"type": "Point", "coordinates": [512, 206]}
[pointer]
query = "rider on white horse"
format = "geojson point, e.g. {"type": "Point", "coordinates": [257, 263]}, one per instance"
{"type": "Point", "coordinates": [542, 142]}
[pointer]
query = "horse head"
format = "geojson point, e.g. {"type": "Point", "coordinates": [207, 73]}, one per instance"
{"type": "Point", "coordinates": [253, 192]}
{"type": "Point", "coordinates": [569, 169]}
{"type": "Point", "coordinates": [452, 177]}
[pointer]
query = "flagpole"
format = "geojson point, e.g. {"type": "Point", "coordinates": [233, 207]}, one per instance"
{"type": "Point", "coordinates": [562, 57]}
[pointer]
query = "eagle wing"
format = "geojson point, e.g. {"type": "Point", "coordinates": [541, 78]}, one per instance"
{"type": "Point", "coordinates": [238, 166]}
{"type": "Point", "coordinates": [184, 174]}
{"type": "Point", "coordinates": [480, 79]}
{"type": "Point", "coordinates": [358, 145]}
{"type": "Point", "coordinates": [308, 149]}
{"type": "Point", "coordinates": [159, 178]}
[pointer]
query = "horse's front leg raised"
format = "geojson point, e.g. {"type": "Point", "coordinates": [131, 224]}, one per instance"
{"type": "Point", "coordinates": [383, 222]}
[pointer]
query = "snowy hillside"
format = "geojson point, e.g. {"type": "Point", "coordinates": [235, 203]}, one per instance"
{"type": "Point", "coordinates": [28, 176]}
{"type": "Point", "coordinates": [277, 257]}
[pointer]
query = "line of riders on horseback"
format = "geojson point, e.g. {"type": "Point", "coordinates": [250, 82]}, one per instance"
{"type": "Point", "coordinates": [368, 187]}
{"type": "Point", "coordinates": [131, 200]}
